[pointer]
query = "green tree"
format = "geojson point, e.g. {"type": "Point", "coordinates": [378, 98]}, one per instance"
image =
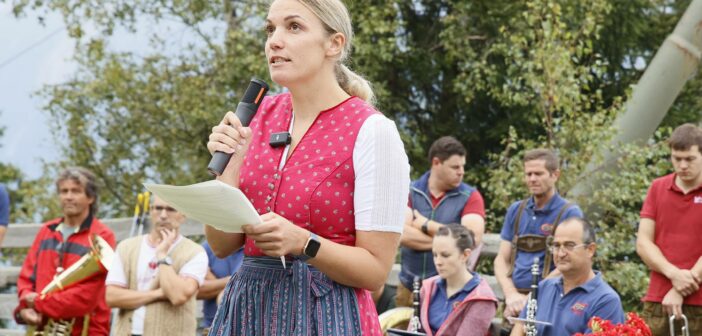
{"type": "Point", "coordinates": [501, 75]}
{"type": "Point", "coordinates": [132, 118]}
{"type": "Point", "coordinates": [560, 87]}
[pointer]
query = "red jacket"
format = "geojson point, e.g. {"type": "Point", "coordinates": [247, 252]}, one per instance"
{"type": "Point", "coordinates": [85, 297]}
{"type": "Point", "coordinates": [472, 317]}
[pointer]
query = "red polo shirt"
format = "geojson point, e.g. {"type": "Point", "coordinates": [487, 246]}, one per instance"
{"type": "Point", "coordinates": [678, 234]}
{"type": "Point", "coordinates": [475, 204]}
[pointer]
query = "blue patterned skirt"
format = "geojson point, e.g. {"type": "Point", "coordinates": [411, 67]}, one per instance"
{"type": "Point", "coordinates": [264, 299]}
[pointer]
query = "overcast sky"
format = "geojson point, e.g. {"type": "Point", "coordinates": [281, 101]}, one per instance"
{"type": "Point", "coordinates": [32, 55]}
{"type": "Point", "coordinates": [27, 138]}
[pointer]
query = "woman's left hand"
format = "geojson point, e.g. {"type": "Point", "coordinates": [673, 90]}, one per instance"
{"type": "Point", "coordinates": [277, 236]}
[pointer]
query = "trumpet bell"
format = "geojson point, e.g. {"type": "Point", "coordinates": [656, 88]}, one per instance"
{"type": "Point", "coordinates": [98, 259]}
{"type": "Point", "coordinates": [396, 318]}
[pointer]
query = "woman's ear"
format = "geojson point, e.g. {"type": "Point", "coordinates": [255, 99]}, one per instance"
{"type": "Point", "coordinates": [337, 41]}
{"type": "Point", "coordinates": [466, 253]}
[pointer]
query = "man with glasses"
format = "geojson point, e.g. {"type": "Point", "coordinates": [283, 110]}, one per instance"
{"type": "Point", "coordinates": [155, 277]}
{"type": "Point", "coordinates": [59, 244]}
{"type": "Point", "coordinates": [528, 225]}
{"type": "Point", "coordinates": [569, 301]}
{"type": "Point", "coordinates": [669, 234]}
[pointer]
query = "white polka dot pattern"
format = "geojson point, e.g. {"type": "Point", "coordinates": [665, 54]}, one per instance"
{"type": "Point", "coordinates": [316, 184]}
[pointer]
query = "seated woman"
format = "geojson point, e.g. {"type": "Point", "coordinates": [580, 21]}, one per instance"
{"type": "Point", "coordinates": [457, 301]}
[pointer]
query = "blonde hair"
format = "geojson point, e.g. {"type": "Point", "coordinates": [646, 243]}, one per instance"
{"type": "Point", "coordinates": [336, 19]}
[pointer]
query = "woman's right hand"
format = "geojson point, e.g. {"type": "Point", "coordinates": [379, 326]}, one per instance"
{"type": "Point", "coordinates": [229, 136]}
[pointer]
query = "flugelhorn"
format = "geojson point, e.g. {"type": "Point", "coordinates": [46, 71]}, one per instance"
{"type": "Point", "coordinates": [98, 259]}
{"type": "Point", "coordinates": [396, 318]}
{"type": "Point", "coordinates": [684, 329]}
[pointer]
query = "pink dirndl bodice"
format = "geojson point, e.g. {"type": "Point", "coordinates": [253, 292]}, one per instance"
{"type": "Point", "coordinates": [315, 187]}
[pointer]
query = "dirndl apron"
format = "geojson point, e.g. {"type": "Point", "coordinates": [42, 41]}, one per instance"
{"type": "Point", "coordinates": [265, 299]}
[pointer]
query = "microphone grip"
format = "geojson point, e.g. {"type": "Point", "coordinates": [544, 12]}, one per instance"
{"type": "Point", "coordinates": [218, 162]}
{"type": "Point", "coordinates": [245, 112]}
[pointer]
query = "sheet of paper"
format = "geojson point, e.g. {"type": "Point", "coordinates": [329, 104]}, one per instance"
{"type": "Point", "coordinates": [213, 202]}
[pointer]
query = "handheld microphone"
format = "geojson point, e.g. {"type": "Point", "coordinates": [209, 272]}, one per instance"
{"type": "Point", "coordinates": [245, 110]}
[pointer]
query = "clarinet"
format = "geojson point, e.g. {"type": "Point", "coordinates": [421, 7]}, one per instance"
{"type": "Point", "coordinates": [531, 303]}
{"type": "Point", "coordinates": [414, 324]}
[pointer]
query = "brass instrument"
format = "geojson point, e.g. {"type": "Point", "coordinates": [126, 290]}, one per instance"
{"type": "Point", "coordinates": [396, 318]}
{"type": "Point", "coordinates": [530, 325]}
{"type": "Point", "coordinates": [98, 259]}
{"type": "Point", "coordinates": [685, 331]}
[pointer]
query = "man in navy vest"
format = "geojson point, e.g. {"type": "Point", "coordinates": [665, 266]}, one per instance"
{"type": "Point", "coordinates": [527, 227]}
{"type": "Point", "coordinates": [437, 198]}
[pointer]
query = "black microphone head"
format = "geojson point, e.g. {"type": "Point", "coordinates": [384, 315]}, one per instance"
{"type": "Point", "coordinates": [255, 92]}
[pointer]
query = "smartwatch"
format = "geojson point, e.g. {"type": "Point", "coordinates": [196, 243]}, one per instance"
{"type": "Point", "coordinates": [311, 247]}
{"type": "Point", "coordinates": [165, 261]}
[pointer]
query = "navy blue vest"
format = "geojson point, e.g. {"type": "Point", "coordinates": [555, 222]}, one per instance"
{"type": "Point", "coordinates": [449, 210]}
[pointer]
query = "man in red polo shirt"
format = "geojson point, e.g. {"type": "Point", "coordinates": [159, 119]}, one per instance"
{"type": "Point", "coordinates": [669, 234]}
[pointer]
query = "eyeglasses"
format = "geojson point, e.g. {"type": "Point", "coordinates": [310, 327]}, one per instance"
{"type": "Point", "coordinates": [159, 208]}
{"type": "Point", "coordinates": [568, 246]}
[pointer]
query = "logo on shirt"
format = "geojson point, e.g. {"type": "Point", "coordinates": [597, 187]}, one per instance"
{"type": "Point", "coordinates": [578, 308]}
{"type": "Point", "coordinates": [546, 228]}
{"type": "Point", "coordinates": [698, 200]}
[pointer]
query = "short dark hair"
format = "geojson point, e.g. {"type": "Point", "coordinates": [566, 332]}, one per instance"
{"type": "Point", "coordinates": [86, 179]}
{"type": "Point", "coordinates": [464, 237]}
{"type": "Point", "coordinates": [685, 136]}
{"type": "Point", "coordinates": [446, 147]}
{"type": "Point", "coordinates": [551, 159]}
{"type": "Point", "coordinates": [588, 230]}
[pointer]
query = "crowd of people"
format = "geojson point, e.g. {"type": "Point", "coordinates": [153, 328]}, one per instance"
{"type": "Point", "coordinates": [337, 204]}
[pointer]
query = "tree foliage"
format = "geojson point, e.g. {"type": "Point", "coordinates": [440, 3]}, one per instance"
{"type": "Point", "coordinates": [502, 76]}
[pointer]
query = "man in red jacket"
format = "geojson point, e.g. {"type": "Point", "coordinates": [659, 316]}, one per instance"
{"type": "Point", "coordinates": [60, 243]}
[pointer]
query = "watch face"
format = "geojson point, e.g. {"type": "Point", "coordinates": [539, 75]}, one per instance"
{"type": "Point", "coordinates": [312, 247]}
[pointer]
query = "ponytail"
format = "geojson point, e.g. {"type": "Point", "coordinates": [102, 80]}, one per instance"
{"type": "Point", "coordinates": [354, 84]}
{"type": "Point", "coordinates": [336, 19]}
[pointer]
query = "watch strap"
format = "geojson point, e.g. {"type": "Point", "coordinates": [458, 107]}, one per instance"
{"type": "Point", "coordinates": [425, 227]}
{"type": "Point", "coordinates": [165, 261]}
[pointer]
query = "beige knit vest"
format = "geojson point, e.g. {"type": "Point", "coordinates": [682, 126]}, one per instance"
{"type": "Point", "coordinates": [162, 318]}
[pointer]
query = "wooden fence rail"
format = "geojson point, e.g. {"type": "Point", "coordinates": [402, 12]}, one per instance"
{"type": "Point", "coordinates": [22, 235]}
